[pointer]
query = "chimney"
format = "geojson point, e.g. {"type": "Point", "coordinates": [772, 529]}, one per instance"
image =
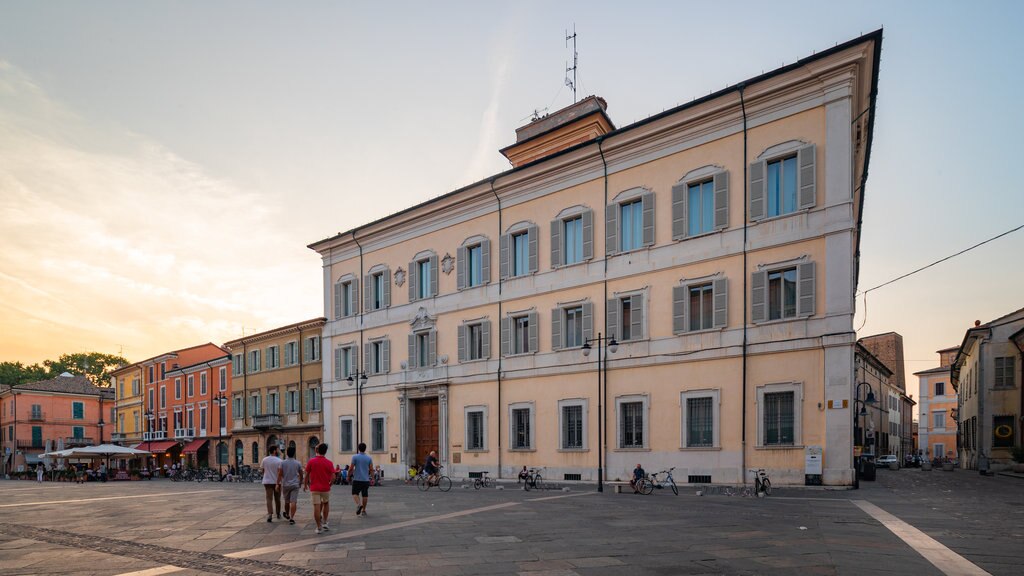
{"type": "Point", "coordinates": [581, 122]}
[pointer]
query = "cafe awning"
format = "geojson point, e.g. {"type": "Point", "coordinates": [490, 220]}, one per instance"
{"type": "Point", "coordinates": [194, 446]}
{"type": "Point", "coordinates": [156, 445]}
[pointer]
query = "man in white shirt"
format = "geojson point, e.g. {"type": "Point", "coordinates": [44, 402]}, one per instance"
{"type": "Point", "coordinates": [271, 468]}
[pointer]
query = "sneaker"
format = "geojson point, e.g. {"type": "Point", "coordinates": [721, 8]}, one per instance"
{"type": "Point", "coordinates": [317, 530]}
{"type": "Point", "coordinates": [287, 516]}
{"type": "Point", "coordinates": [359, 510]}
{"type": "Point", "coordinates": [270, 517]}
{"type": "Point", "coordinates": [291, 521]}
{"type": "Point", "coordinates": [326, 526]}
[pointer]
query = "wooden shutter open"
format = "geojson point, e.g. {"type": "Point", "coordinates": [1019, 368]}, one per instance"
{"type": "Point", "coordinates": [721, 187]}
{"type": "Point", "coordinates": [807, 176]}
{"type": "Point", "coordinates": [679, 192]}
{"type": "Point", "coordinates": [505, 335]}
{"type": "Point", "coordinates": [637, 312]}
{"type": "Point", "coordinates": [413, 360]}
{"type": "Point", "coordinates": [647, 203]}
{"type": "Point", "coordinates": [556, 243]}
{"type": "Point", "coordinates": [461, 332]}
{"type": "Point", "coordinates": [758, 206]}
{"type": "Point", "coordinates": [485, 261]}
{"type": "Point", "coordinates": [354, 296]}
{"type": "Point", "coordinates": [556, 328]}
{"type": "Point", "coordinates": [805, 289]}
{"type": "Point", "coordinates": [414, 274]}
{"type": "Point", "coordinates": [503, 260]}
{"type": "Point", "coordinates": [612, 313]}
{"type": "Point", "coordinates": [679, 309]}
{"type": "Point", "coordinates": [588, 321]}
{"type": "Point", "coordinates": [387, 288]}
{"type": "Point", "coordinates": [533, 238]}
{"type": "Point", "coordinates": [588, 234]}
{"type": "Point", "coordinates": [460, 267]}
{"type": "Point", "coordinates": [337, 300]}
{"type": "Point", "coordinates": [611, 229]}
{"type": "Point", "coordinates": [433, 276]}
{"type": "Point", "coordinates": [485, 339]}
{"type": "Point", "coordinates": [385, 347]}
{"type": "Point", "coordinates": [432, 348]}
{"type": "Point", "coordinates": [720, 298]}
{"type": "Point", "coordinates": [534, 326]}
{"type": "Point", "coordinates": [759, 296]}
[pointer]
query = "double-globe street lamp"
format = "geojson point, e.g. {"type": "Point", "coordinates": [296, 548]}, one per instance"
{"type": "Point", "coordinates": [859, 432]}
{"type": "Point", "coordinates": [602, 364]}
{"type": "Point", "coordinates": [358, 379]}
{"type": "Point", "coordinates": [220, 401]}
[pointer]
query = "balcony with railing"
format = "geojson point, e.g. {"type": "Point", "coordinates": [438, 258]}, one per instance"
{"type": "Point", "coordinates": [264, 421]}
{"type": "Point", "coordinates": [184, 432]}
{"type": "Point", "coordinates": [30, 445]}
{"type": "Point", "coordinates": [118, 437]}
{"type": "Point", "coordinates": [36, 416]}
{"type": "Point", "coordinates": [76, 441]}
{"type": "Point", "coordinates": [157, 435]}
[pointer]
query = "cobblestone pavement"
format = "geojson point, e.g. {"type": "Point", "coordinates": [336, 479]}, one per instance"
{"type": "Point", "coordinates": [159, 527]}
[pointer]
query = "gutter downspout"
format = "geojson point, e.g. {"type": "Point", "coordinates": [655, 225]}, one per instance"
{"type": "Point", "coordinates": [602, 400]}
{"type": "Point", "coordinates": [746, 289]}
{"type": "Point", "coordinates": [356, 377]}
{"type": "Point", "coordinates": [984, 438]}
{"type": "Point", "coordinates": [500, 282]}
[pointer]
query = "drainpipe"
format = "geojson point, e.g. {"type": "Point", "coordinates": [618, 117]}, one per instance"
{"type": "Point", "coordinates": [746, 289]}
{"type": "Point", "coordinates": [602, 401]}
{"type": "Point", "coordinates": [362, 352]}
{"type": "Point", "coordinates": [500, 280]}
{"type": "Point", "coordinates": [984, 439]}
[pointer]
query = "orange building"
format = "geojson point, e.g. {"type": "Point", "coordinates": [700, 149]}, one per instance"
{"type": "Point", "coordinates": [68, 410]}
{"type": "Point", "coordinates": [185, 405]}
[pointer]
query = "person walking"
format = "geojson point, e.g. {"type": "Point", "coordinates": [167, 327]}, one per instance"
{"type": "Point", "coordinates": [39, 472]}
{"type": "Point", "coordinates": [291, 479]}
{"type": "Point", "coordinates": [319, 474]}
{"type": "Point", "coordinates": [271, 467]}
{"type": "Point", "coordinates": [360, 471]}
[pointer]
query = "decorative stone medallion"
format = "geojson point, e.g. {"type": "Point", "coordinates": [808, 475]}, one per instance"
{"type": "Point", "coordinates": [447, 264]}
{"type": "Point", "coordinates": [399, 277]}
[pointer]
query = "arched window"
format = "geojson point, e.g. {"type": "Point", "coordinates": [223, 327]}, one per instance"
{"type": "Point", "coordinates": [255, 453]}
{"type": "Point", "coordinates": [239, 452]}
{"type": "Point", "coordinates": [313, 443]}
{"type": "Point", "coordinates": [291, 446]}
{"type": "Point", "coordinates": [222, 453]}
{"type": "Point", "coordinates": [271, 441]}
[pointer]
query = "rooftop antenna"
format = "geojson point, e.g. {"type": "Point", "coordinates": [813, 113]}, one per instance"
{"type": "Point", "coordinates": [575, 57]}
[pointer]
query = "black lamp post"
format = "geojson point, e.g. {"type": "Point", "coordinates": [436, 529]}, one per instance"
{"type": "Point", "coordinates": [869, 400]}
{"type": "Point", "coordinates": [220, 400]}
{"type": "Point", "coordinates": [602, 363]}
{"type": "Point", "coordinates": [149, 434]}
{"type": "Point", "coordinates": [359, 380]}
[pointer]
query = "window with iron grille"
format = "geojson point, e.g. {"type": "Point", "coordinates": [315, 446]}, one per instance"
{"type": "Point", "coordinates": [346, 439]}
{"type": "Point", "coordinates": [572, 427]}
{"type": "Point", "coordinates": [632, 417]}
{"type": "Point", "coordinates": [778, 419]}
{"type": "Point", "coordinates": [521, 428]}
{"type": "Point", "coordinates": [475, 430]}
{"type": "Point", "coordinates": [699, 422]}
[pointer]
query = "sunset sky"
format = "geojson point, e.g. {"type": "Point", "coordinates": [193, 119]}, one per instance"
{"type": "Point", "coordinates": [164, 165]}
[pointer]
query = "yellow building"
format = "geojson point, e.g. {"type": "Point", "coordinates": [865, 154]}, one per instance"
{"type": "Point", "coordinates": [130, 420]}
{"type": "Point", "coordinates": [276, 392]}
{"type": "Point", "coordinates": [716, 242]}
{"type": "Point", "coordinates": [937, 404]}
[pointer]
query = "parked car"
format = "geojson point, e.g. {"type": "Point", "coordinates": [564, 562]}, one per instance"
{"type": "Point", "coordinates": [885, 461]}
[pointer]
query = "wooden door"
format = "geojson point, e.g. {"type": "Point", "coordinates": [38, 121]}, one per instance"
{"type": "Point", "coordinates": [426, 428]}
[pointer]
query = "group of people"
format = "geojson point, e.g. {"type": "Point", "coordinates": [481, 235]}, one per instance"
{"type": "Point", "coordinates": [344, 475]}
{"type": "Point", "coordinates": [285, 477]}
{"type": "Point", "coordinates": [430, 468]}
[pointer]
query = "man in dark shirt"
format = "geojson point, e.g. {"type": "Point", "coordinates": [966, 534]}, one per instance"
{"type": "Point", "coordinates": [431, 466]}
{"type": "Point", "coordinates": [638, 475]}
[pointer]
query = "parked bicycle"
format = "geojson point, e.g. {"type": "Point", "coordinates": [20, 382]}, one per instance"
{"type": "Point", "coordinates": [762, 485]}
{"type": "Point", "coordinates": [533, 479]}
{"type": "Point", "coordinates": [484, 481]}
{"type": "Point", "coordinates": [648, 483]}
{"type": "Point", "coordinates": [425, 482]}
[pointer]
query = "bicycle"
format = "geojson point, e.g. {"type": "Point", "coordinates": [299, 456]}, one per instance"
{"type": "Point", "coordinates": [762, 485]}
{"type": "Point", "coordinates": [533, 479]}
{"type": "Point", "coordinates": [442, 482]}
{"type": "Point", "coordinates": [647, 484]}
{"type": "Point", "coordinates": [484, 481]}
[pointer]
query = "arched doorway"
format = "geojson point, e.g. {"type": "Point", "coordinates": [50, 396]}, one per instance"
{"type": "Point", "coordinates": [291, 446]}
{"type": "Point", "coordinates": [271, 441]}
{"type": "Point", "coordinates": [239, 452]}
{"type": "Point", "coordinates": [255, 453]}
{"type": "Point", "coordinates": [222, 453]}
{"type": "Point", "coordinates": [313, 443]}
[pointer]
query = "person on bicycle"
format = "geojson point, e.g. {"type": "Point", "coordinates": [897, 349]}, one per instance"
{"type": "Point", "coordinates": [524, 475]}
{"type": "Point", "coordinates": [638, 475]}
{"type": "Point", "coordinates": [431, 467]}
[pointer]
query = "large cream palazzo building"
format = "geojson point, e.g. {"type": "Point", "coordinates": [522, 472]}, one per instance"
{"type": "Point", "coordinates": [717, 242]}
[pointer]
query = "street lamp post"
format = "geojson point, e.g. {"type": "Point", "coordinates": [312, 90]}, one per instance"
{"type": "Point", "coordinates": [148, 414]}
{"type": "Point", "coordinates": [220, 400]}
{"type": "Point", "coordinates": [602, 361]}
{"type": "Point", "coordinates": [869, 400]}
{"type": "Point", "coordinates": [358, 379]}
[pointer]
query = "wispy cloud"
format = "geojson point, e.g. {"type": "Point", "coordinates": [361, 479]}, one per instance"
{"type": "Point", "coordinates": [111, 239]}
{"type": "Point", "coordinates": [483, 160]}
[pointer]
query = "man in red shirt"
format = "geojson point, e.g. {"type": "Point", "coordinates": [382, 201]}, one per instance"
{"type": "Point", "coordinates": [319, 474]}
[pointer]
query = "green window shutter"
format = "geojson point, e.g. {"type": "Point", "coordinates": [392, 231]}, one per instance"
{"type": "Point", "coordinates": [805, 289]}
{"type": "Point", "coordinates": [679, 192]}
{"type": "Point", "coordinates": [647, 203]}
{"type": "Point", "coordinates": [505, 335]}
{"type": "Point", "coordinates": [721, 187]}
{"type": "Point", "coordinates": [556, 328]}
{"type": "Point", "coordinates": [720, 292]}
{"type": "Point", "coordinates": [588, 321]}
{"type": "Point", "coordinates": [460, 268]}
{"type": "Point", "coordinates": [338, 293]}
{"type": "Point", "coordinates": [462, 342]}
{"type": "Point", "coordinates": [636, 326]}
{"type": "Point", "coordinates": [758, 207]}
{"type": "Point", "coordinates": [679, 294]}
{"type": "Point", "coordinates": [534, 325]}
{"type": "Point", "coordinates": [485, 338]}
{"type": "Point", "coordinates": [807, 194]}
{"type": "Point", "coordinates": [503, 264]}
{"type": "Point", "coordinates": [413, 360]}
{"type": "Point", "coordinates": [613, 318]}
{"type": "Point", "coordinates": [534, 237]}
{"type": "Point", "coordinates": [759, 296]}
{"type": "Point", "coordinates": [432, 348]}
{"type": "Point", "coordinates": [485, 261]}
{"type": "Point", "coordinates": [556, 243]}
{"type": "Point", "coordinates": [433, 275]}
{"type": "Point", "coordinates": [354, 296]}
{"type": "Point", "coordinates": [611, 229]}
{"type": "Point", "coordinates": [588, 234]}
{"type": "Point", "coordinates": [414, 274]}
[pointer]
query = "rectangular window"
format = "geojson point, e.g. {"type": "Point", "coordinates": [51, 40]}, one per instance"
{"type": "Point", "coordinates": [191, 386]}
{"type": "Point", "coordinates": [632, 218]}
{"type": "Point", "coordinates": [202, 419]}
{"type": "Point", "coordinates": [313, 400]}
{"type": "Point", "coordinates": [272, 403]}
{"type": "Point", "coordinates": [346, 440]}
{"type": "Point", "coordinates": [236, 407]}
{"type": "Point", "coordinates": [78, 432]}
{"type": "Point", "coordinates": [273, 359]}
{"type": "Point", "coordinates": [37, 411]}
{"type": "Point", "coordinates": [163, 370]}
{"type": "Point", "coordinates": [572, 427]}
{"type": "Point", "coordinates": [378, 291]}
{"type": "Point", "coordinates": [781, 186]}
{"type": "Point", "coordinates": [521, 428]}
{"type": "Point", "coordinates": [940, 388]}
{"type": "Point", "coordinates": [313, 348]}
{"type": "Point", "coordinates": [521, 335]}
{"type": "Point", "coordinates": [291, 353]}
{"type": "Point", "coordinates": [778, 419]}
{"type": "Point", "coordinates": [475, 430]}
{"type": "Point", "coordinates": [701, 203]}
{"type": "Point", "coordinates": [346, 298]}
{"type": "Point", "coordinates": [377, 357]}
{"type": "Point", "coordinates": [163, 397]}
{"type": "Point", "coordinates": [136, 387]}
{"type": "Point", "coordinates": [177, 388]}
{"type": "Point", "coordinates": [699, 422]}
{"type": "Point", "coordinates": [626, 305]}
{"type": "Point", "coordinates": [254, 361]}
{"type": "Point", "coordinates": [236, 364]}
{"type": "Point", "coordinates": [631, 434]}
{"type": "Point", "coordinates": [223, 379]}
{"type": "Point", "coordinates": [120, 388]}
{"type": "Point", "coordinates": [474, 333]}
{"type": "Point", "coordinates": [1004, 372]}
{"type": "Point", "coordinates": [701, 307]}
{"type": "Point", "coordinates": [150, 374]}
{"type": "Point", "coordinates": [573, 327]}
{"type": "Point", "coordinates": [424, 272]}
{"type": "Point", "coordinates": [782, 294]}
{"type": "Point", "coordinates": [423, 349]}
{"type": "Point", "coordinates": [346, 362]}
{"type": "Point", "coordinates": [474, 261]}
{"type": "Point", "coordinates": [572, 234]}
{"type": "Point", "coordinates": [521, 254]}
{"type": "Point", "coordinates": [377, 434]}
{"type": "Point", "coordinates": [77, 410]}
{"type": "Point", "coordinates": [255, 405]}
{"type": "Point", "coordinates": [37, 435]}
{"type": "Point", "coordinates": [939, 419]}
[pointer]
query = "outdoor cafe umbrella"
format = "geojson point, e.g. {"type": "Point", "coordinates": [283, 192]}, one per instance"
{"type": "Point", "coordinates": [101, 451]}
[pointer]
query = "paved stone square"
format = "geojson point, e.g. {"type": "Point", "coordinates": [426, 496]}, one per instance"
{"type": "Point", "coordinates": [161, 527]}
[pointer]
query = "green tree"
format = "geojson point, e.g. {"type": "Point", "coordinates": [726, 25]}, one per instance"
{"type": "Point", "coordinates": [96, 366]}
{"type": "Point", "coordinates": [14, 373]}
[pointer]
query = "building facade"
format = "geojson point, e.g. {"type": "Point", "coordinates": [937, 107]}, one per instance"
{"type": "Point", "coordinates": [715, 243]}
{"type": "Point", "coordinates": [880, 363]}
{"type": "Point", "coordinates": [129, 415]}
{"type": "Point", "coordinates": [987, 372]}
{"type": "Point", "coordinates": [937, 404]}
{"type": "Point", "coordinates": [873, 432]}
{"type": "Point", "coordinates": [67, 411]}
{"type": "Point", "coordinates": [276, 398]}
